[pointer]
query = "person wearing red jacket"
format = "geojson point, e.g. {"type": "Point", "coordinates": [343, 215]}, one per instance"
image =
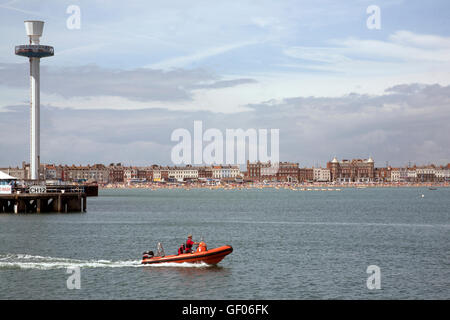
{"type": "Point", "coordinates": [189, 244]}
{"type": "Point", "coordinates": [181, 249]}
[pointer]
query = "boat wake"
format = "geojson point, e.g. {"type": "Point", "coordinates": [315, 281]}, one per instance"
{"type": "Point", "coordinates": [26, 261]}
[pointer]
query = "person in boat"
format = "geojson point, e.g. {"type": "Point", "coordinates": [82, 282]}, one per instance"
{"type": "Point", "coordinates": [202, 247]}
{"type": "Point", "coordinates": [189, 244]}
{"type": "Point", "coordinates": [181, 249]}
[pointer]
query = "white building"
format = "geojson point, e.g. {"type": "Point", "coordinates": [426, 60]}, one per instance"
{"type": "Point", "coordinates": [130, 173]}
{"type": "Point", "coordinates": [442, 174]}
{"type": "Point", "coordinates": [425, 171]}
{"type": "Point", "coordinates": [395, 175]}
{"type": "Point", "coordinates": [412, 174]}
{"type": "Point", "coordinates": [322, 174]}
{"type": "Point", "coordinates": [183, 173]}
{"type": "Point", "coordinates": [225, 172]}
{"type": "Point", "coordinates": [269, 169]}
{"type": "Point", "coordinates": [156, 174]}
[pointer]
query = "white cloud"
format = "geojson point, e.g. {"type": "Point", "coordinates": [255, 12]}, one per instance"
{"type": "Point", "coordinates": [403, 47]}
{"type": "Point", "coordinates": [408, 38]}
{"type": "Point", "coordinates": [318, 54]}
{"type": "Point", "coordinates": [367, 66]}
{"type": "Point", "coordinates": [185, 61]}
{"type": "Point", "coordinates": [264, 22]}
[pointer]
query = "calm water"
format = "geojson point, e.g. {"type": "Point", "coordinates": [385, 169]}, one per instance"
{"type": "Point", "coordinates": [287, 245]}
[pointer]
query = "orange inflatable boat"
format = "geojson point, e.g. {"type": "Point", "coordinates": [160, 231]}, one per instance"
{"type": "Point", "coordinates": [213, 256]}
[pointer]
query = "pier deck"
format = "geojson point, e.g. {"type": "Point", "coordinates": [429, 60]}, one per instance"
{"type": "Point", "coordinates": [60, 200]}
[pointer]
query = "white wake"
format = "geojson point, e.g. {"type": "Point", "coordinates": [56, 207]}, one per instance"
{"type": "Point", "coordinates": [27, 261]}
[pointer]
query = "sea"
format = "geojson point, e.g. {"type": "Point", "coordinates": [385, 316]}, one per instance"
{"type": "Point", "coordinates": [373, 243]}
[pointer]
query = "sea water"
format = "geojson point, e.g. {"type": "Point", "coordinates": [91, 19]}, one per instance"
{"type": "Point", "coordinates": [288, 244]}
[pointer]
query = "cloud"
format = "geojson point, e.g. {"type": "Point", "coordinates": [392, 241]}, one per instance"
{"type": "Point", "coordinates": [402, 53]}
{"type": "Point", "coordinates": [141, 84]}
{"type": "Point", "coordinates": [384, 126]}
{"type": "Point", "coordinates": [317, 54]}
{"type": "Point", "coordinates": [225, 84]}
{"type": "Point", "coordinates": [408, 38]}
{"type": "Point", "coordinates": [409, 122]}
{"type": "Point", "coordinates": [186, 60]}
{"type": "Point", "coordinates": [264, 22]}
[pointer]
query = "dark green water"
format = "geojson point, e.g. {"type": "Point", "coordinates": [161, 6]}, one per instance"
{"type": "Point", "coordinates": [287, 245]}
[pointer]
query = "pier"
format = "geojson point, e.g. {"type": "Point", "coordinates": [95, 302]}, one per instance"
{"type": "Point", "coordinates": [47, 199]}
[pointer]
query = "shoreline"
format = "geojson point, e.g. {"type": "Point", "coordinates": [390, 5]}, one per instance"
{"type": "Point", "coordinates": [277, 186]}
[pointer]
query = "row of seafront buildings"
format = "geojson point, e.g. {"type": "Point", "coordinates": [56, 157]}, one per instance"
{"type": "Point", "coordinates": [356, 170]}
{"type": "Point", "coordinates": [118, 173]}
{"type": "Point", "coordinates": [339, 171]}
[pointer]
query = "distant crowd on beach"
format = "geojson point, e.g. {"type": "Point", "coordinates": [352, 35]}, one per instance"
{"type": "Point", "coordinates": [316, 186]}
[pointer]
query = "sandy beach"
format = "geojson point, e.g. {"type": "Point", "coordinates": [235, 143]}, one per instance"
{"type": "Point", "coordinates": [271, 185]}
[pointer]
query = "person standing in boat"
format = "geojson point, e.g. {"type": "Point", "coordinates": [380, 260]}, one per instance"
{"type": "Point", "coordinates": [189, 244]}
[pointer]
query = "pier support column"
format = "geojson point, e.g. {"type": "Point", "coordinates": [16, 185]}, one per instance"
{"type": "Point", "coordinates": [74, 204]}
{"type": "Point", "coordinates": [38, 205]}
{"type": "Point", "coordinates": [30, 205]}
{"type": "Point", "coordinates": [19, 206]}
{"type": "Point", "coordinates": [53, 205]}
{"type": "Point", "coordinates": [59, 204]}
{"type": "Point", "coordinates": [84, 203]}
{"type": "Point", "coordinates": [9, 206]}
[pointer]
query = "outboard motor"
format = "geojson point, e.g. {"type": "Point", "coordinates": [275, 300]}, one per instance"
{"type": "Point", "coordinates": [147, 255]}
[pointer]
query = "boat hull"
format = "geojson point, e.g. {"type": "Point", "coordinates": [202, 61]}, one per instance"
{"type": "Point", "coordinates": [212, 257]}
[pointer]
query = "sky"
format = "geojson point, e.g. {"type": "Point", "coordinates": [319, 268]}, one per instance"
{"type": "Point", "coordinates": [132, 72]}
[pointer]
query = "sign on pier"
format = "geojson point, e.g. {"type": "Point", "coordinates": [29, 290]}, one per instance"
{"type": "Point", "coordinates": [38, 189]}
{"type": "Point", "coordinates": [5, 189]}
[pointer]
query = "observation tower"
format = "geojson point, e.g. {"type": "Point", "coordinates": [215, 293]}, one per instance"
{"type": "Point", "coordinates": [34, 51]}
